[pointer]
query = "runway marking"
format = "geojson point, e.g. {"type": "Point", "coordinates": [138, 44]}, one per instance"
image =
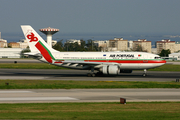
{"type": "Point", "coordinates": [38, 98]}
{"type": "Point", "coordinates": [15, 91]}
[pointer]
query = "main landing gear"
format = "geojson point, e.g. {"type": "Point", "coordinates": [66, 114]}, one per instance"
{"type": "Point", "coordinates": [93, 74]}
{"type": "Point", "coordinates": [144, 74]}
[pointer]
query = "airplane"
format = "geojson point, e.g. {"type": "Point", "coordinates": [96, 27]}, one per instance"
{"type": "Point", "coordinates": [99, 63]}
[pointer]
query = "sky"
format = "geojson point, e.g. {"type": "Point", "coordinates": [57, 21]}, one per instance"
{"type": "Point", "coordinates": [140, 17]}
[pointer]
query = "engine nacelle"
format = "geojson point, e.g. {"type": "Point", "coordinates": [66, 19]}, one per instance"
{"type": "Point", "coordinates": [110, 69]}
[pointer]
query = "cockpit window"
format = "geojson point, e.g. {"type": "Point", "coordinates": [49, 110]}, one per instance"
{"type": "Point", "coordinates": [157, 57]}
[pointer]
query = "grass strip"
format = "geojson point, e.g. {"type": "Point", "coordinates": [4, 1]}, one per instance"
{"type": "Point", "coordinates": [87, 111]}
{"type": "Point", "coordinates": [166, 67]}
{"type": "Point", "coordinates": [58, 84]}
{"type": "Point", "coordinates": [29, 66]}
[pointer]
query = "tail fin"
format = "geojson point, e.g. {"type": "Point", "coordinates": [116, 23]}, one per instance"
{"type": "Point", "coordinates": [33, 38]}
{"type": "Point", "coordinates": [37, 44]}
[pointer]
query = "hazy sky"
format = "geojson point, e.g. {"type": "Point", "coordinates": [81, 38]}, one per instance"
{"type": "Point", "coordinates": [92, 16]}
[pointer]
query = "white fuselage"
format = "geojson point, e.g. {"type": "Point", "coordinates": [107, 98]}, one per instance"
{"type": "Point", "coordinates": [126, 60]}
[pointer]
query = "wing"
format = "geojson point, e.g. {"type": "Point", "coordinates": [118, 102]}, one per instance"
{"type": "Point", "coordinates": [86, 64]}
{"type": "Point", "coordinates": [33, 55]}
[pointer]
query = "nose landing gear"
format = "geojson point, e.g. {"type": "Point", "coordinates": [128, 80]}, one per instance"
{"type": "Point", "coordinates": [144, 74]}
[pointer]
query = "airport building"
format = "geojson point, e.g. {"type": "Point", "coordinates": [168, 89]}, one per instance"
{"type": "Point", "coordinates": [174, 56]}
{"type": "Point", "coordinates": [146, 45]}
{"type": "Point", "coordinates": [3, 43]}
{"type": "Point", "coordinates": [23, 44]}
{"type": "Point", "coordinates": [14, 45]}
{"type": "Point", "coordinates": [10, 52]}
{"type": "Point", "coordinates": [130, 45]}
{"type": "Point", "coordinates": [177, 46]}
{"type": "Point", "coordinates": [118, 44]}
{"type": "Point", "coordinates": [166, 44]}
{"type": "Point", "coordinates": [102, 43]}
{"type": "Point", "coordinates": [73, 41]}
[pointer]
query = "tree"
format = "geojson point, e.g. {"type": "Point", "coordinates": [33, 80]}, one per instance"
{"type": "Point", "coordinates": [165, 53]}
{"type": "Point", "coordinates": [24, 51]}
{"type": "Point", "coordinates": [76, 46]}
{"type": "Point", "coordinates": [72, 46]}
{"type": "Point", "coordinates": [59, 45]}
{"type": "Point", "coordinates": [83, 44]}
{"type": "Point", "coordinates": [91, 46]}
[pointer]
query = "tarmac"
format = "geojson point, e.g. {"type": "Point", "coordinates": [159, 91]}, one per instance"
{"type": "Point", "coordinates": [88, 95]}
{"type": "Point", "coordinates": [84, 95]}
{"type": "Point", "coordinates": [81, 75]}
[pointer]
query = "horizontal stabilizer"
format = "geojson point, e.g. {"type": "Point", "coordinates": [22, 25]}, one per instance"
{"type": "Point", "coordinates": [33, 55]}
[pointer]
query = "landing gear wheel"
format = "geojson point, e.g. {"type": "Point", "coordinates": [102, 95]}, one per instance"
{"type": "Point", "coordinates": [144, 75]}
{"type": "Point", "coordinates": [89, 74]}
{"type": "Point", "coordinates": [93, 74]}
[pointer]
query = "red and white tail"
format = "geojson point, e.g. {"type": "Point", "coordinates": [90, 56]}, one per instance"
{"type": "Point", "coordinates": [37, 44]}
{"type": "Point", "coordinates": [33, 38]}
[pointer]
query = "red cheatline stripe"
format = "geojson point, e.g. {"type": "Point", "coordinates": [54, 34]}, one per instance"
{"type": "Point", "coordinates": [44, 52]}
{"type": "Point", "coordinates": [58, 62]}
{"type": "Point", "coordinates": [128, 61]}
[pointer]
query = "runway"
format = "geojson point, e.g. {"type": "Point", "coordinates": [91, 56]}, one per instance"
{"type": "Point", "coordinates": [88, 95]}
{"type": "Point", "coordinates": [18, 60]}
{"type": "Point", "coordinates": [57, 74]}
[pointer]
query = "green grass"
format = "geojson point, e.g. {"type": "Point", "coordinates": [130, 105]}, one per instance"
{"type": "Point", "coordinates": [29, 66]}
{"type": "Point", "coordinates": [87, 111]}
{"type": "Point", "coordinates": [56, 84]}
{"type": "Point", "coordinates": [166, 67]}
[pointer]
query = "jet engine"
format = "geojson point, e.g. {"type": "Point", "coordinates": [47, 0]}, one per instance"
{"type": "Point", "coordinates": [110, 69]}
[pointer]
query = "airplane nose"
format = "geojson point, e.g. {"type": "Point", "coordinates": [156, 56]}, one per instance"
{"type": "Point", "coordinates": [164, 61]}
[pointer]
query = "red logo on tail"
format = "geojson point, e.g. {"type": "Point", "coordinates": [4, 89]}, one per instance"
{"type": "Point", "coordinates": [32, 38]}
